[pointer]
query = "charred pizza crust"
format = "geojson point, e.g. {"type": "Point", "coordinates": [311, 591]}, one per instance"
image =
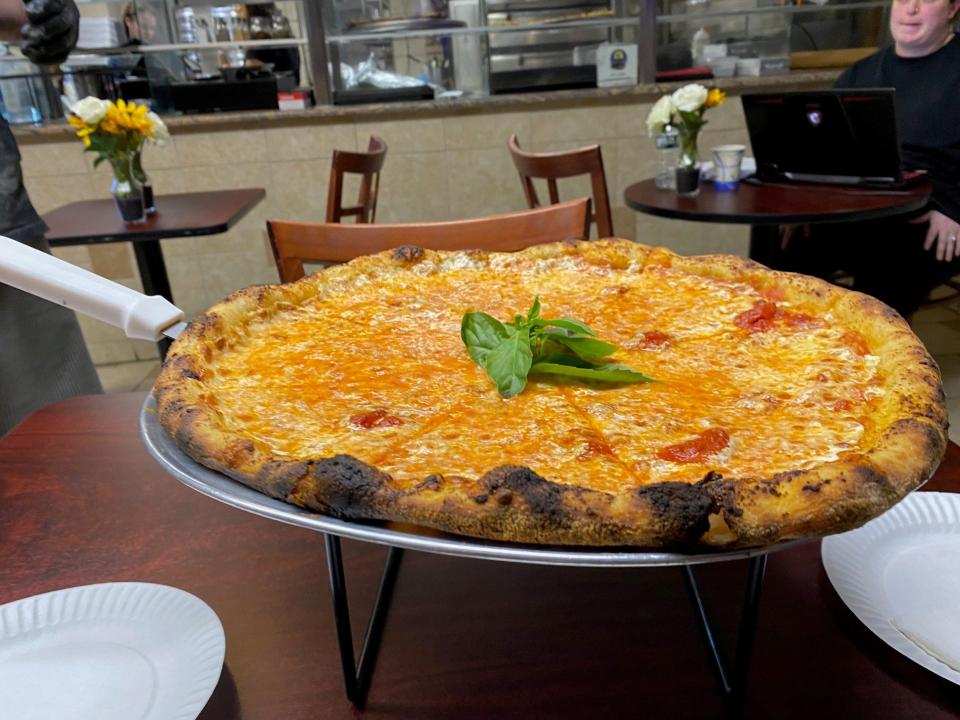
{"type": "Point", "coordinates": [515, 503]}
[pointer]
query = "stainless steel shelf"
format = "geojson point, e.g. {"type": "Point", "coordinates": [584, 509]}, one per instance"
{"type": "Point", "coordinates": [772, 10]}
{"type": "Point", "coordinates": [345, 38]}
{"type": "Point", "coordinates": [174, 47]}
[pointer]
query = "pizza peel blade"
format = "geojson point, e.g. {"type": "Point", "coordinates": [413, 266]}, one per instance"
{"type": "Point", "coordinates": [141, 317]}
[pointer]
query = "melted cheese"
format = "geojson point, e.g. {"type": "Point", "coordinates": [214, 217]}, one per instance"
{"type": "Point", "coordinates": [318, 379]}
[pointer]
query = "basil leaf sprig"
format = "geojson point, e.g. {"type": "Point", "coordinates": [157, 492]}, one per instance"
{"type": "Point", "coordinates": [511, 351]}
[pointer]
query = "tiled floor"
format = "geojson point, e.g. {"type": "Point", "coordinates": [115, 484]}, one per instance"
{"type": "Point", "coordinates": [938, 327]}
{"type": "Point", "coordinates": [129, 376]}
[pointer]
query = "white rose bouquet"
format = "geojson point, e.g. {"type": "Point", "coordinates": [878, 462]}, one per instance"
{"type": "Point", "coordinates": [684, 110]}
{"type": "Point", "coordinates": [661, 115]}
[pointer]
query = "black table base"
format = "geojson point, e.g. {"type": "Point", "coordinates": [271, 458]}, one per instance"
{"type": "Point", "coordinates": [153, 274]}
{"type": "Point", "coordinates": [765, 244]}
{"type": "Point", "coordinates": [357, 674]}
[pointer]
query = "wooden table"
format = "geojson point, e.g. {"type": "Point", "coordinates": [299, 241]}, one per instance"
{"type": "Point", "coordinates": [182, 215]}
{"type": "Point", "coordinates": [82, 502]}
{"type": "Point", "coordinates": [765, 206]}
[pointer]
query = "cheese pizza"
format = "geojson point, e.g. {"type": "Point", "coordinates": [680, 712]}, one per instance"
{"type": "Point", "coordinates": [779, 406]}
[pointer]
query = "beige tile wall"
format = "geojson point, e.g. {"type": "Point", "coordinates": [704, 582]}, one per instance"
{"type": "Point", "coordinates": [437, 168]}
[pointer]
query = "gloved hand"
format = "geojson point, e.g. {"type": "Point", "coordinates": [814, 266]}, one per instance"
{"type": "Point", "coordinates": [51, 31]}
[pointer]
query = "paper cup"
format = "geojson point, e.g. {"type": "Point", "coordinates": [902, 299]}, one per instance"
{"type": "Point", "coordinates": [726, 165]}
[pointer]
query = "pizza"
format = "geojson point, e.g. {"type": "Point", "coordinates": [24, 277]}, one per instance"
{"type": "Point", "coordinates": [780, 406]}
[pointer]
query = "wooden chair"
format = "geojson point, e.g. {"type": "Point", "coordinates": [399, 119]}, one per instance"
{"type": "Point", "coordinates": [368, 165]}
{"type": "Point", "coordinates": [553, 166]}
{"type": "Point", "coordinates": [296, 242]}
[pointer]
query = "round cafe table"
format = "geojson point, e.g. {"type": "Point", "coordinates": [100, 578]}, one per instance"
{"type": "Point", "coordinates": [765, 206]}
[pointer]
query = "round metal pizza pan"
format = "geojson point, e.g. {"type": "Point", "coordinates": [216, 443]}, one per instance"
{"type": "Point", "coordinates": [222, 488]}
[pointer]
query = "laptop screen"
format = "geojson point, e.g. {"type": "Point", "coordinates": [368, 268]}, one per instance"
{"type": "Point", "coordinates": [832, 135]}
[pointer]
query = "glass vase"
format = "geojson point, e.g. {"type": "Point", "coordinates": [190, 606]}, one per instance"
{"type": "Point", "coordinates": [688, 180]}
{"type": "Point", "coordinates": [127, 191]}
{"type": "Point", "coordinates": [688, 166]}
{"type": "Point", "coordinates": [141, 177]}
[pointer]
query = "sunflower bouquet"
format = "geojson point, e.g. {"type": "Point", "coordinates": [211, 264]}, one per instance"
{"type": "Point", "coordinates": [116, 132]}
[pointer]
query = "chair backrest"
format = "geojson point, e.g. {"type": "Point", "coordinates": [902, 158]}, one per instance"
{"type": "Point", "coordinates": [296, 242]}
{"type": "Point", "coordinates": [554, 166]}
{"type": "Point", "coordinates": [367, 164]}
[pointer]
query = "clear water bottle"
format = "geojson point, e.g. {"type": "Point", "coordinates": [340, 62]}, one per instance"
{"type": "Point", "coordinates": [668, 154]}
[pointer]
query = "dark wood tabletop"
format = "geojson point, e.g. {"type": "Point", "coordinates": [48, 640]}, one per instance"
{"type": "Point", "coordinates": [81, 501]}
{"type": "Point", "coordinates": [180, 215]}
{"type": "Point", "coordinates": [774, 204]}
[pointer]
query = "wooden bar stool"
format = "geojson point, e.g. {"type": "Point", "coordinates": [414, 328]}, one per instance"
{"type": "Point", "coordinates": [296, 242]}
{"type": "Point", "coordinates": [368, 165]}
{"type": "Point", "coordinates": [553, 166]}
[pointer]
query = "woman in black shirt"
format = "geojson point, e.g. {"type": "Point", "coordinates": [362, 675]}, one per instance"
{"type": "Point", "coordinates": [901, 260]}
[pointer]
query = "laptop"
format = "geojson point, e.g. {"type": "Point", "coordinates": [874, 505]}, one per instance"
{"type": "Point", "coordinates": [846, 137]}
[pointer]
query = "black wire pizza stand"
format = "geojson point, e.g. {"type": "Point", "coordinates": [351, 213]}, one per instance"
{"type": "Point", "coordinates": [731, 674]}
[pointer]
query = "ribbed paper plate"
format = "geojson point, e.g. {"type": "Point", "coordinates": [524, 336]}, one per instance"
{"type": "Point", "coordinates": [900, 564]}
{"type": "Point", "coordinates": [113, 651]}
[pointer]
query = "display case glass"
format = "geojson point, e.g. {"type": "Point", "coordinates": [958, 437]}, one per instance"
{"type": "Point", "coordinates": [401, 49]}
{"type": "Point", "coordinates": [205, 55]}
{"type": "Point", "coordinates": [208, 56]}
{"type": "Point", "coordinates": [396, 48]}
{"type": "Point", "coordinates": [178, 55]}
{"type": "Point", "coordinates": [751, 37]}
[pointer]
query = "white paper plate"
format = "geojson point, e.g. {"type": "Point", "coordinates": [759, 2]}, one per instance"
{"type": "Point", "coordinates": [114, 651]}
{"type": "Point", "coordinates": [900, 574]}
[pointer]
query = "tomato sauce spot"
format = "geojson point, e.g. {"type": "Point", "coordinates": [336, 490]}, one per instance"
{"type": "Point", "coordinates": [842, 405]}
{"type": "Point", "coordinates": [773, 293]}
{"type": "Point", "coordinates": [856, 342]}
{"type": "Point", "coordinates": [594, 448]}
{"type": "Point", "coordinates": [759, 318]}
{"type": "Point", "coordinates": [707, 443]}
{"type": "Point", "coordinates": [799, 321]}
{"type": "Point", "coordinates": [375, 419]}
{"type": "Point", "coordinates": [655, 337]}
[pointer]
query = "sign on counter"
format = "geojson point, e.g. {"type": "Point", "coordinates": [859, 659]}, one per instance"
{"type": "Point", "coordinates": [616, 64]}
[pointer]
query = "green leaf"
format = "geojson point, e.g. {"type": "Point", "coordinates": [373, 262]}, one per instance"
{"type": "Point", "coordinates": [568, 324]}
{"type": "Point", "coordinates": [509, 362]}
{"type": "Point", "coordinates": [510, 351]}
{"type": "Point", "coordinates": [534, 312]}
{"type": "Point", "coordinates": [564, 358]}
{"type": "Point", "coordinates": [585, 347]}
{"type": "Point", "coordinates": [611, 373]}
{"type": "Point", "coordinates": [481, 333]}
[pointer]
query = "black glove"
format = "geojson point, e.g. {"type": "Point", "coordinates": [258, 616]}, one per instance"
{"type": "Point", "coordinates": [52, 31]}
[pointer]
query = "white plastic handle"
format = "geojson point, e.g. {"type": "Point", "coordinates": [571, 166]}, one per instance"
{"type": "Point", "coordinates": [143, 317]}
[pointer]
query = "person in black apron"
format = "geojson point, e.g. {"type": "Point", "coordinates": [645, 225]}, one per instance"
{"type": "Point", "coordinates": [43, 357]}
